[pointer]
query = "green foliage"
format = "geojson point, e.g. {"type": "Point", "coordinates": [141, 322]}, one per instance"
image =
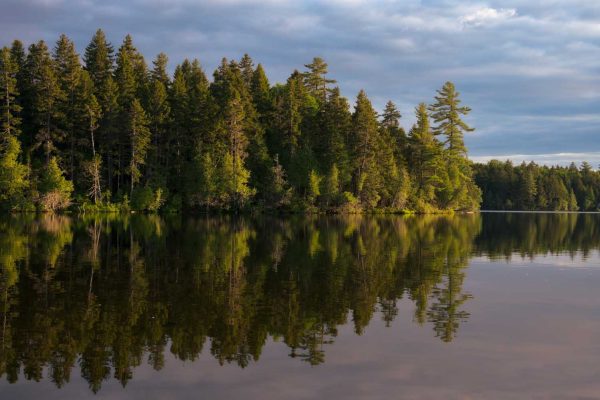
{"type": "Point", "coordinates": [237, 142]}
{"type": "Point", "coordinates": [534, 187]}
{"type": "Point", "coordinates": [13, 175]}
{"type": "Point", "coordinates": [55, 190]}
{"type": "Point", "coordinates": [146, 199]}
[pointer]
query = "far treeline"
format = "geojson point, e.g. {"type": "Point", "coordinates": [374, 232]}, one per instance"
{"type": "Point", "coordinates": [105, 132]}
{"type": "Point", "coordinates": [534, 187]}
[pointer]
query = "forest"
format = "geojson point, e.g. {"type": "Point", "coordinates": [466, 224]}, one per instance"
{"type": "Point", "coordinates": [532, 187]}
{"type": "Point", "coordinates": [104, 131]}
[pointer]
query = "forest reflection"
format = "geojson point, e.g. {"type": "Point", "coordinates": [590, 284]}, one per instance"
{"type": "Point", "coordinates": [104, 294]}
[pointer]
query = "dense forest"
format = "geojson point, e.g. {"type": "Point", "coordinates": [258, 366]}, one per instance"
{"type": "Point", "coordinates": [104, 131]}
{"type": "Point", "coordinates": [534, 187]}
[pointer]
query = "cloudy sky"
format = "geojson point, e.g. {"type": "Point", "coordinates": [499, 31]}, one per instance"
{"type": "Point", "coordinates": [529, 69]}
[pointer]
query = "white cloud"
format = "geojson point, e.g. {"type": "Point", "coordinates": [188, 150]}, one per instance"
{"type": "Point", "coordinates": [545, 159]}
{"type": "Point", "coordinates": [487, 15]}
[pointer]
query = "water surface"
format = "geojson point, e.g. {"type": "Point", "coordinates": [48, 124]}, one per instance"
{"type": "Point", "coordinates": [467, 306]}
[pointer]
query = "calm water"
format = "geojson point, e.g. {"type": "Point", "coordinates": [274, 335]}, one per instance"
{"type": "Point", "coordinates": [472, 306]}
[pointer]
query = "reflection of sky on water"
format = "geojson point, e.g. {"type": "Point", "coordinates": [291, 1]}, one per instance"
{"type": "Point", "coordinates": [577, 260]}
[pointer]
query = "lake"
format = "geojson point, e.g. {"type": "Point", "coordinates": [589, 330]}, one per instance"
{"type": "Point", "coordinates": [491, 305]}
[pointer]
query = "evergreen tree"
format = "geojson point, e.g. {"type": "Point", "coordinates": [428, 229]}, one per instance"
{"type": "Point", "coordinates": [89, 114]}
{"type": "Point", "coordinates": [68, 71]}
{"type": "Point", "coordinates": [364, 150]}
{"type": "Point", "coordinates": [426, 162]}
{"type": "Point", "coordinates": [99, 60]}
{"type": "Point", "coordinates": [446, 112]}
{"type": "Point", "coordinates": [314, 187]}
{"type": "Point", "coordinates": [333, 146]}
{"type": "Point", "coordinates": [332, 186]}
{"type": "Point", "coordinates": [9, 109]}
{"type": "Point", "coordinates": [43, 98]}
{"type": "Point", "coordinates": [139, 135]}
{"type": "Point", "coordinates": [261, 94]}
{"type": "Point", "coordinates": [234, 167]}
{"type": "Point", "coordinates": [247, 69]}
{"type": "Point", "coordinates": [159, 111]}
{"type": "Point", "coordinates": [13, 174]}
{"type": "Point", "coordinates": [55, 190]}
{"type": "Point", "coordinates": [315, 78]}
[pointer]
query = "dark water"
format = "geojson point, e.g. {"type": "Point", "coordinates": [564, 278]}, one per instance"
{"type": "Point", "coordinates": [471, 306]}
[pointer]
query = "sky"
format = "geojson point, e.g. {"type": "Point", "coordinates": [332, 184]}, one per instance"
{"type": "Point", "coordinates": [529, 69]}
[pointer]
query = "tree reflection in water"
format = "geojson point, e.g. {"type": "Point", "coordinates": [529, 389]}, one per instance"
{"type": "Point", "coordinates": [108, 293]}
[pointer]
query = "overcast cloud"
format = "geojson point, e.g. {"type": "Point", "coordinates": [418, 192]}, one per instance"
{"type": "Point", "coordinates": [530, 70]}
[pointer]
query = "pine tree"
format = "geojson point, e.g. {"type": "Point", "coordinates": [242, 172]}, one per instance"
{"type": "Point", "coordinates": [333, 147]}
{"type": "Point", "coordinates": [68, 71]}
{"type": "Point", "coordinates": [426, 159]}
{"type": "Point", "coordinates": [315, 78]}
{"type": "Point", "coordinates": [390, 124]}
{"type": "Point", "coordinates": [364, 138]}
{"type": "Point", "coordinates": [236, 153]}
{"type": "Point", "coordinates": [459, 190]}
{"type": "Point", "coordinates": [89, 113]}
{"type": "Point", "coordinates": [332, 186]}
{"type": "Point", "coordinates": [13, 174]}
{"type": "Point", "coordinates": [9, 109]}
{"type": "Point", "coordinates": [159, 111]}
{"type": "Point", "coordinates": [43, 98]}
{"type": "Point", "coordinates": [446, 112]}
{"type": "Point", "coordinates": [261, 94]}
{"type": "Point", "coordinates": [159, 72]}
{"type": "Point", "coordinates": [99, 60]}
{"type": "Point", "coordinates": [140, 139]}
{"type": "Point", "coordinates": [247, 69]}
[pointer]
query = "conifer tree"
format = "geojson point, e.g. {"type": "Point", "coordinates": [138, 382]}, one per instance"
{"type": "Point", "coordinates": [333, 146]}
{"type": "Point", "coordinates": [140, 139]}
{"type": "Point", "coordinates": [261, 94]}
{"type": "Point", "coordinates": [89, 114]}
{"type": "Point", "coordinates": [13, 174]}
{"type": "Point", "coordinates": [332, 185]}
{"type": "Point", "coordinates": [315, 78]}
{"type": "Point", "coordinates": [364, 150]}
{"type": "Point", "coordinates": [54, 188]}
{"type": "Point", "coordinates": [314, 187]}
{"type": "Point", "coordinates": [426, 159]}
{"type": "Point", "coordinates": [43, 98]}
{"type": "Point", "coordinates": [247, 69]}
{"type": "Point", "coordinates": [159, 110]}
{"type": "Point", "coordinates": [68, 71]}
{"type": "Point", "coordinates": [9, 109]}
{"type": "Point", "coordinates": [236, 154]}
{"type": "Point", "coordinates": [99, 60]}
{"type": "Point", "coordinates": [446, 112]}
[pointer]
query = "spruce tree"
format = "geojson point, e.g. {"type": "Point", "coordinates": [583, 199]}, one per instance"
{"type": "Point", "coordinates": [139, 135]}
{"type": "Point", "coordinates": [43, 99]}
{"type": "Point", "coordinates": [99, 60]}
{"type": "Point", "coordinates": [68, 71]}
{"type": "Point", "coordinates": [9, 109]}
{"type": "Point", "coordinates": [13, 174]}
{"type": "Point", "coordinates": [364, 138]}
{"type": "Point", "coordinates": [426, 161]}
